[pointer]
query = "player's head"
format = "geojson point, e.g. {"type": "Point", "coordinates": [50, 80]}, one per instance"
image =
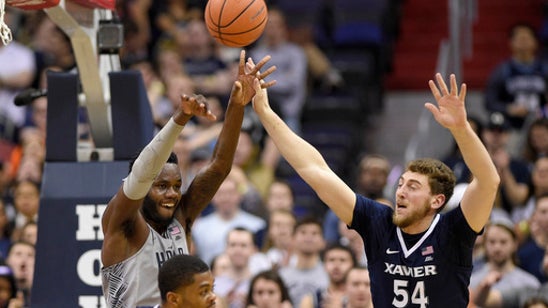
{"type": "Point", "coordinates": [424, 187]}
{"type": "Point", "coordinates": [186, 281]}
{"type": "Point", "coordinates": [267, 290]}
{"type": "Point", "coordinates": [165, 193]}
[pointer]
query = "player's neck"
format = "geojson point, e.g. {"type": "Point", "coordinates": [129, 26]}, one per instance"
{"type": "Point", "coordinates": [419, 226]}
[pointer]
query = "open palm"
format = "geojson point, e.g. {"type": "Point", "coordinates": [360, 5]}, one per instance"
{"type": "Point", "coordinates": [450, 111]}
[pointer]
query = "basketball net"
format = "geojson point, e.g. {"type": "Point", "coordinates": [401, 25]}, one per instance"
{"type": "Point", "coordinates": [5, 32]}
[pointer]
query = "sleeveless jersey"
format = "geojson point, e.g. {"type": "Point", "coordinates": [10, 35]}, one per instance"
{"type": "Point", "coordinates": [134, 281]}
{"type": "Point", "coordinates": [434, 272]}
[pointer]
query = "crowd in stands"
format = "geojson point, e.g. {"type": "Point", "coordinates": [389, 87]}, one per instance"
{"type": "Point", "coordinates": [257, 241]}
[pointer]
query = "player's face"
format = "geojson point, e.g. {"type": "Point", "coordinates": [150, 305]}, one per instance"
{"type": "Point", "coordinates": [266, 294]}
{"type": "Point", "coordinates": [164, 195]}
{"type": "Point", "coordinates": [499, 245]}
{"type": "Point", "coordinates": [358, 288]}
{"type": "Point", "coordinates": [337, 263]}
{"type": "Point", "coordinates": [413, 199]}
{"type": "Point", "coordinates": [197, 295]}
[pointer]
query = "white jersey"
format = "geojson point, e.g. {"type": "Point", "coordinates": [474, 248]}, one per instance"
{"type": "Point", "coordinates": [134, 281]}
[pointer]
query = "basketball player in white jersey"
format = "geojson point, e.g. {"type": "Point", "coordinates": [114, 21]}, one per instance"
{"type": "Point", "coordinates": [149, 220]}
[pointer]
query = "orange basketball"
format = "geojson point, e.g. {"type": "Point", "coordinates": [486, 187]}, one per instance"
{"type": "Point", "coordinates": [236, 23]}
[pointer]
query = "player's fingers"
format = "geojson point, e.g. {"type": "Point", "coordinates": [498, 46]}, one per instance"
{"type": "Point", "coordinates": [241, 67]}
{"type": "Point", "coordinates": [442, 85]}
{"type": "Point", "coordinates": [261, 63]}
{"type": "Point", "coordinates": [269, 84]}
{"type": "Point", "coordinates": [269, 71]}
{"type": "Point", "coordinates": [435, 91]}
{"type": "Point", "coordinates": [462, 94]}
{"type": "Point", "coordinates": [453, 81]}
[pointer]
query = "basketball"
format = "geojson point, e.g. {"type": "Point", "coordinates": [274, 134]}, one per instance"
{"type": "Point", "coordinates": [236, 23]}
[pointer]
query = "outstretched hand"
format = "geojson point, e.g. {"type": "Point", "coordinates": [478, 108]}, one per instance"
{"type": "Point", "coordinates": [450, 111]}
{"type": "Point", "coordinates": [243, 90]}
{"type": "Point", "coordinates": [196, 105]}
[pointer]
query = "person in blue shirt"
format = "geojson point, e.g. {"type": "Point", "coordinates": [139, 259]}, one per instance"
{"type": "Point", "coordinates": [417, 257]}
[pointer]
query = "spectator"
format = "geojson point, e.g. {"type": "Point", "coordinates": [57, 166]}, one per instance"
{"type": "Point", "coordinates": [220, 265]}
{"type": "Point", "coordinates": [307, 275]}
{"type": "Point", "coordinates": [514, 173]}
{"type": "Point", "coordinates": [210, 232]}
{"type": "Point", "coordinates": [21, 257]}
{"type": "Point", "coordinates": [371, 181]}
{"type": "Point", "coordinates": [202, 62]}
{"type": "Point", "coordinates": [290, 92]}
{"type": "Point", "coordinates": [258, 162]}
{"type": "Point", "coordinates": [531, 252]}
{"type": "Point", "coordinates": [267, 290]}
{"type": "Point", "coordinates": [6, 229]}
{"type": "Point", "coordinates": [338, 260]}
{"type": "Point", "coordinates": [358, 288]}
{"type": "Point", "coordinates": [539, 187]}
{"type": "Point", "coordinates": [8, 288]}
{"type": "Point", "coordinates": [517, 86]}
{"type": "Point", "coordinates": [186, 281]}
{"type": "Point", "coordinates": [537, 141]}
{"type": "Point", "coordinates": [500, 272]}
{"type": "Point", "coordinates": [352, 239]}
{"type": "Point", "coordinates": [29, 232]}
{"type": "Point", "coordinates": [280, 196]}
{"type": "Point", "coordinates": [26, 199]}
{"type": "Point", "coordinates": [278, 245]}
{"type": "Point", "coordinates": [233, 286]}
{"type": "Point", "coordinates": [516, 297]}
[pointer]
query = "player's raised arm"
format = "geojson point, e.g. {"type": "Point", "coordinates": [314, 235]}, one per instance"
{"type": "Point", "coordinates": [450, 112]}
{"type": "Point", "coordinates": [123, 225]}
{"type": "Point", "coordinates": [206, 183]}
{"type": "Point", "coordinates": [306, 160]}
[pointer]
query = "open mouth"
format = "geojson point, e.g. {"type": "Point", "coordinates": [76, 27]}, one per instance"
{"type": "Point", "coordinates": [168, 205]}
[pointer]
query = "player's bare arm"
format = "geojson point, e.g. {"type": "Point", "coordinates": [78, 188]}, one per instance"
{"type": "Point", "coordinates": [450, 112]}
{"type": "Point", "coordinates": [125, 230]}
{"type": "Point", "coordinates": [205, 184]}
{"type": "Point", "coordinates": [306, 160]}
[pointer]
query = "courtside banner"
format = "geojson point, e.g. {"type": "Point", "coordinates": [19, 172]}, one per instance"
{"type": "Point", "coordinates": [68, 252]}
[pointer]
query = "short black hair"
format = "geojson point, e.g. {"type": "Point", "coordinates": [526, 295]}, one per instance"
{"type": "Point", "coordinates": [179, 272]}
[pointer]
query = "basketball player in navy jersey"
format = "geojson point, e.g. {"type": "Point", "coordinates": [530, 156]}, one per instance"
{"type": "Point", "coordinates": [149, 219]}
{"type": "Point", "coordinates": [417, 257]}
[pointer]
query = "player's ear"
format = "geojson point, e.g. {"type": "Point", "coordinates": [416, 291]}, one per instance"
{"type": "Point", "coordinates": [173, 298]}
{"type": "Point", "coordinates": [437, 201]}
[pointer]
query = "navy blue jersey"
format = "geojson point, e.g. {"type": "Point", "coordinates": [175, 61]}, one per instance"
{"type": "Point", "coordinates": [434, 272]}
